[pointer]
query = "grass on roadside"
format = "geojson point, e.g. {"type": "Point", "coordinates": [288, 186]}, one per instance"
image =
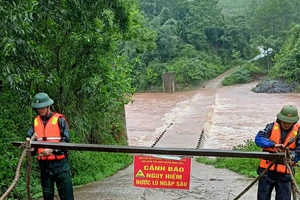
{"type": "Point", "coordinates": [244, 74]}
{"type": "Point", "coordinates": [244, 166]}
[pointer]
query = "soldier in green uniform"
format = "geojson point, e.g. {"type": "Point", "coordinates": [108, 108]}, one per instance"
{"type": "Point", "coordinates": [54, 167]}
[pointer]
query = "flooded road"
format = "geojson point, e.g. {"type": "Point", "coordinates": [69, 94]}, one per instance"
{"type": "Point", "coordinates": [226, 115]}
{"type": "Point", "coordinates": [238, 114]}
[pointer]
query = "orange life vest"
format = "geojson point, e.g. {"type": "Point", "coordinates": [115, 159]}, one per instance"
{"type": "Point", "coordinates": [50, 132]}
{"type": "Point", "coordinates": [275, 137]}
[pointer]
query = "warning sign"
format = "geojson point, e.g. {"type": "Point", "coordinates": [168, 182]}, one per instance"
{"type": "Point", "coordinates": [153, 172]}
{"type": "Point", "coordinates": [140, 174]}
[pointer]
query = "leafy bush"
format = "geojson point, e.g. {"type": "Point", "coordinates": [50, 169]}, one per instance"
{"type": "Point", "coordinates": [87, 167]}
{"type": "Point", "coordinates": [243, 166]}
{"type": "Point", "coordinates": [287, 61]}
{"type": "Point", "coordinates": [239, 76]}
{"type": "Point", "coordinates": [193, 71]}
{"type": "Point", "coordinates": [243, 74]}
{"type": "Point", "coordinates": [14, 124]}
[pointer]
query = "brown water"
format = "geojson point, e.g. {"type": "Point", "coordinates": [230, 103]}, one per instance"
{"type": "Point", "coordinates": [227, 115]}
{"type": "Point", "coordinates": [238, 114]}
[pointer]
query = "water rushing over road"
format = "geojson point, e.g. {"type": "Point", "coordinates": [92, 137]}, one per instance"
{"type": "Point", "coordinates": [227, 115]}
{"type": "Point", "coordinates": [238, 114]}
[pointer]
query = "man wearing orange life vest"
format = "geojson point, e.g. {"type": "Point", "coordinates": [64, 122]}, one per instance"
{"type": "Point", "coordinates": [273, 139]}
{"type": "Point", "coordinates": [51, 127]}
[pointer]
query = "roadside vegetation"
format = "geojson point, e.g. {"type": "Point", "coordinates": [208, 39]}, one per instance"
{"type": "Point", "coordinates": [244, 74]}
{"type": "Point", "coordinates": [91, 56]}
{"type": "Point", "coordinates": [70, 50]}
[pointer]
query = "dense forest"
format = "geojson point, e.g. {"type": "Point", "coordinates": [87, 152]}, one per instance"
{"type": "Point", "coordinates": [90, 56]}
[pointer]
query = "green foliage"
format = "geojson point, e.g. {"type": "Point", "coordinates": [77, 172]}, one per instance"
{"type": "Point", "coordinates": [151, 77]}
{"type": "Point", "coordinates": [201, 15]}
{"type": "Point", "coordinates": [243, 74]}
{"type": "Point", "coordinates": [193, 40]}
{"type": "Point", "coordinates": [72, 51]}
{"type": "Point", "coordinates": [249, 145]}
{"type": "Point", "coordinates": [93, 166]}
{"type": "Point", "coordinates": [280, 15]}
{"type": "Point", "coordinates": [232, 7]}
{"type": "Point", "coordinates": [12, 130]}
{"type": "Point", "coordinates": [243, 166]}
{"type": "Point", "coordinates": [287, 60]}
{"type": "Point", "coordinates": [239, 76]}
{"type": "Point", "coordinates": [267, 44]}
{"type": "Point", "coordinates": [19, 51]}
{"type": "Point", "coordinates": [201, 25]}
{"type": "Point", "coordinates": [236, 39]}
{"type": "Point", "coordinates": [297, 175]}
{"type": "Point", "coordinates": [193, 71]}
{"type": "Point", "coordinates": [85, 166]}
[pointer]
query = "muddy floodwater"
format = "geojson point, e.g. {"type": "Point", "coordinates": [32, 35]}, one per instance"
{"type": "Point", "coordinates": [226, 116]}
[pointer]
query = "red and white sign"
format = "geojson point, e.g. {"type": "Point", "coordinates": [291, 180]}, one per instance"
{"type": "Point", "coordinates": [153, 172]}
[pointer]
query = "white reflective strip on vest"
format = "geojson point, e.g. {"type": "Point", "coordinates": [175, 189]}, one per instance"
{"type": "Point", "coordinates": [53, 138]}
{"type": "Point", "coordinates": [49, 138]}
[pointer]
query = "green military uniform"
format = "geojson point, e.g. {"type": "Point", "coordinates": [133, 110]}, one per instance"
{"type": "Point", "coordinates": [54, 171]}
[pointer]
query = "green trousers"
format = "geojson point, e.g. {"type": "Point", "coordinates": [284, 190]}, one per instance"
{"type": "Point", "coordinates": [59, 174]}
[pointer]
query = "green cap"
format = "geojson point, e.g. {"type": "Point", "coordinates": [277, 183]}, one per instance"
{"type": "Point", "coordinates": [288, 114]}
{"type": "Point", "coordinates": [41, 100]}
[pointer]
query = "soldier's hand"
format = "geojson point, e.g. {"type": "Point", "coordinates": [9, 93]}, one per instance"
{"type": "Point", "coordinates": [279, 147]}
{"type": "Point", "coordinates": [47, 152]}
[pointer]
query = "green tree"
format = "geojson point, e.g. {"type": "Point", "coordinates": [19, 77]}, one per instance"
{"type": "Point", "coordinates": [200, 15]}
{"type": "Point", "coordinates": [195, 25]}
{"type": "Point", "coordinates": [269, 45]}
{"type": "Point", "coordinates": [167, 40]}
{"type": "Point", "coordinates": [72, 50]}
{"type": "Point", "coordinates": [69, 49]}
{"type": "Point", "coordinates": [274, 17]}
{"type": "Point", "coordinates": [287, 61]}
{"type": "Point", "coordinates": [20, 53]}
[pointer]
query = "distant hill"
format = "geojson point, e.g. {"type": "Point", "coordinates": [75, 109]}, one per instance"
{"type": "Point", "coordinates": [234, 7]}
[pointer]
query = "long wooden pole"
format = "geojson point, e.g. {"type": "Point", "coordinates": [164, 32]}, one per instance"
{"type": "Point", "coordinates": [254, 181]}
{"type": "Point", "coordinates": [155, 150]}
{"type": "Point", "coordinates": [17, 176]}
